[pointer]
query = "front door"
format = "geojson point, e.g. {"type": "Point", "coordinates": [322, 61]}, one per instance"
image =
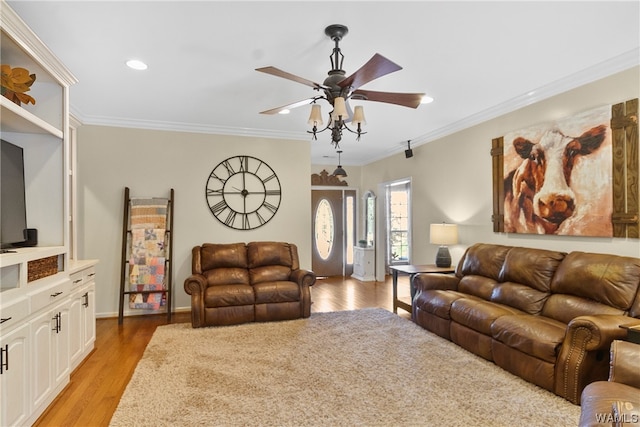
{"type": "Point", "coordinates": [333, 222]}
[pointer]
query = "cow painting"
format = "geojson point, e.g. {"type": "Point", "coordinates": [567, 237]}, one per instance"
{"type": "Point", "coordinates": [558, 177]}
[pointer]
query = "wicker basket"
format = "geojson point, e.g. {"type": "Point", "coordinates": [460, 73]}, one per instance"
{"type": "Point", "coordinates": [43, 267]}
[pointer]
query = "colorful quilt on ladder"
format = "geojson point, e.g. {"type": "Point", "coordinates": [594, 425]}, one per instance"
{"type": "Point", "coordinates": [147, 260]}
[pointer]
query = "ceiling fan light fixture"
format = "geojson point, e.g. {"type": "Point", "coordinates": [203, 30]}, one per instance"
{"type": "Point", "coordinates": [338, 89]}
{"type": "Point", "coordinates": [285, 111]}
{"type": "Point", "coordinates": [315, 118]}
{"type": "Point", "coordinates": [340, 109]}
{"type": "Point", "coordinates": [358, 116]}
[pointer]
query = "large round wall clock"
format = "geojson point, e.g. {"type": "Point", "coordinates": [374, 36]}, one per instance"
{"type": "Point", "coordinates": [243, 192]}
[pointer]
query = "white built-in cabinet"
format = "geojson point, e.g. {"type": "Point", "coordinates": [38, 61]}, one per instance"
{"type": "Point", "coordinates": [47, 324]}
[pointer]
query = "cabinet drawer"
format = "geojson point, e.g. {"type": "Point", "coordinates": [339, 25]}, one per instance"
{"type": "Point", "coordinates": [89, 274]}
{"type": "Point", "coordinates": [77, 279]}
{"type": "Point", "coordinates": [49, 294]}
{"type": "Point", "coordinates": [13, 312]}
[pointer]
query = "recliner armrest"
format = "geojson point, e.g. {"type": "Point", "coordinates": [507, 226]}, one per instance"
{"type": "Point", "coordinates": [194, 284]}
{"type": "Point", "coordinates": [303, 277]}
{"type": "Point", "coordinates": [603, 329]}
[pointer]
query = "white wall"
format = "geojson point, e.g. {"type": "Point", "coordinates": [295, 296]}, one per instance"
{"type": "Point", "coordinates": [150, 163]}
{"type": "Point", "coordinates": [452, 176]}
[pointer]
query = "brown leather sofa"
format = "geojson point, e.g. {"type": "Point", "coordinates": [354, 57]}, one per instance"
{"type": "Point", "coordinates": [255, 282]}
{"type": "Point", "coordinates": [546, 316]}
{"type": "Point", "coordinates": [615, 402]}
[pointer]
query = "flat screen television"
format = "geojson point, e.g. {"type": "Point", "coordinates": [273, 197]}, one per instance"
{"type": "Point", "coordinates": [13, 207]}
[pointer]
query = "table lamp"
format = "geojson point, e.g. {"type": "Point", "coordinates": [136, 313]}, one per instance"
{"type": "Point", "coordinates": [443, 235]}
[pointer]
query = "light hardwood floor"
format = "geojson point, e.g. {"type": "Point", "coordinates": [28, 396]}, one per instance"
{"type": "Point", "coordinates": [93, 394]}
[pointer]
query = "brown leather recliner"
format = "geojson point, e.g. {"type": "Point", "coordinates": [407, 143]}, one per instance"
{"type": "Point", "coordinates": [617, 401]}
{"type": "Point", "coordinates": [255, 282]}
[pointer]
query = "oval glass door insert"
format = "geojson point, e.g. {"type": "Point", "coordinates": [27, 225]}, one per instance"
{"type": "Point", "coordinates": [324, 224]}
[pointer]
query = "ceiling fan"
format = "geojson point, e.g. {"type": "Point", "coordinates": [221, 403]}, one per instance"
{"type": "Point", "coordinates": [337, 89]}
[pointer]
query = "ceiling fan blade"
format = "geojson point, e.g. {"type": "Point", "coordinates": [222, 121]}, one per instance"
{"type": "Point", "coordinates": [377, 66]}
{"type": "Point", "coordinates": [411, 100]}
{"type": "Point", "coordinates": [288, 106]}
{"type": "Point", "coordinates": [279, 73]}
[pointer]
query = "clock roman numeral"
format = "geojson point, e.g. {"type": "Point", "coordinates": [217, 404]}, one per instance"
{"type": "Point", "coordinates": [270, 207]}
{"type": "Point", "coordinates": [213, 175]}
{"type": "Point", "coordinates": [229, 168]}
{"type": "Point", "coordinates": [272, 192]}
{"type": "Point", "coordinates": [245, 221]}
{"type": "Point", "coordinates": [218, 207]}
{"type": "Point", "coordinates": [244, 163]}
{"type": "Point", "coordinates": [230, 218]}
{"type": "Point", "coordinates": [269, 178]}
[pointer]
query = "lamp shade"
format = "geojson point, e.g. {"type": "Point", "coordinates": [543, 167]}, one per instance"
{"type": "Point", "coordinates": [339, 108]}
{"type": "Point", "coordinates": [443, 234]}
{"type": "Point", "coordinates": [358, 116]}
{"type": "Point", "coordinates": [315, 118]}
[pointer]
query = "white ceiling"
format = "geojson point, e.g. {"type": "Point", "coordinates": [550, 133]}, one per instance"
{"type": "Point", "coordinates": [477, 59]}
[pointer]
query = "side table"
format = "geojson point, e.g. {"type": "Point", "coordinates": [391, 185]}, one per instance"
{"type": "Point", "coordinates": [412, 270]}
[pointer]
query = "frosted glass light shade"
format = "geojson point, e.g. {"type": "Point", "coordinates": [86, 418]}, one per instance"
{"type": "Point", "coordinates": [443, 234]}
{"type": "Point", "coordinates": [358, 116]}
{"type": "Point", "coordinates": [315, 118]}
{"type": "Point", "coordinates": [339, 108]}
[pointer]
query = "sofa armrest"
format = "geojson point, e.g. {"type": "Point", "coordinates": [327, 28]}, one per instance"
{"type": "Point", "coordinates": [442, 281]}
{"type": "Point", "coordinates": [625, 360]}
{"type": "Point", "coordinates": [195, 286]}
{"type": "Point", "coordinates": [602, 330]}
{"type": "Point", "coordinates": [584, 353]}
{"type": "Point", "coordinates": [303, 277]}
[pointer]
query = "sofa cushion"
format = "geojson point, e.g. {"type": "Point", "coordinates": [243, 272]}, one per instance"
{"type": "Point", "coordinates": [269, 253]}
{"type": "Point", "coordinates": [565, 308]}
{"type": "Point", "coordinates": [222, 256]}
{"type": "Point", "coordinates": [269, 273]}
{"type": "Point", "coordinates": [537, 336]}
{"type": "Point", "coordinates": [274, 292]}
{"type": "Point", "coordinates": [478, 286]}
{"type": "Point", "coordinates": [609, 279]}
{"type": "Point", "coordinates": [478, 314]}
{"type": "Point", "coordinates": [226, 276]}
{"type": "Point", "coordinates": [228, 295]}
{"type": "Point", "coordinates": [519, 296]}
{"type": "Point", "coordinates": [438, 302]}
{"type": "Point", "coordinates": [483, 259]}
{"type": "Point", "coordinates": [531, 267]}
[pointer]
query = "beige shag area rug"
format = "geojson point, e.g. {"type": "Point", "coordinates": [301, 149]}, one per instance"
{"type": "Point", "coordinates": [350, 368]}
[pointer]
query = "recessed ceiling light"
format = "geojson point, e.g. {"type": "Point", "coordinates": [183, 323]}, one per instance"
{"type": "Point", "coordinates": [426, 100]}
{"type": "Point", "coordinates": [136, 64]}
{"type": "Point", "coordinates": [285, 111]}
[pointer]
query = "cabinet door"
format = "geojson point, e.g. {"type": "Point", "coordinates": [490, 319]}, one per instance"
{"type": "Point", "coordinates": [42, 354]}
{"type": "Point", "coordinates": [76, 326]}
{"type": "Point", "coordinates": [14, 379]}
{"type": "Point", "coordinates": [61, 344]}
{"type": "Point", "coordinates": [89, 306]}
